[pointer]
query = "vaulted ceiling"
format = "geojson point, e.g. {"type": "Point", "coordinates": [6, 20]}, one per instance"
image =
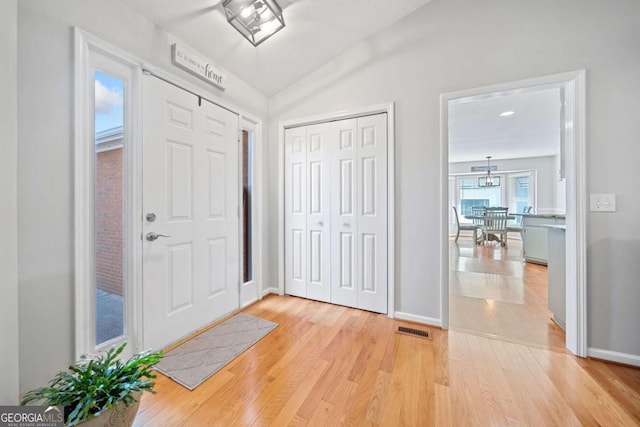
{"type": "Point", "coordinates": [316, 31]}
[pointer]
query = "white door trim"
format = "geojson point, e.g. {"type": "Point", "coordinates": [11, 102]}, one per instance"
{"type": "Point", "coordinates": [83, 192]}
{"type": "Point", "coordinates": [84, 278]}
{"type": "Point", "coordinates": [389, 109]}
{"type": "Point", "coordinates": [576, 215]}
{"type": "Point", "coordinates": [254, 125]}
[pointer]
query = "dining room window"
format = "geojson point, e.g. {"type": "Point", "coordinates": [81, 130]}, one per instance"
{"type": "Point", "coordinates": [521, 191]}
{"type": "Point", "coordinates": [518, 190]}
{"type": "Point", "coordinates": [470, 194]}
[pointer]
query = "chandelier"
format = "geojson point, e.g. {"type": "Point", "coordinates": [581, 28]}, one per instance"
{"type": "Point", "coordinates": [256, 20]}
{"type": "Point", "coordinates": [489, 180]}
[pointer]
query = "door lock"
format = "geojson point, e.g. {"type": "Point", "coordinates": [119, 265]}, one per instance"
{"type": "Point", "coordinates": [151, 217]}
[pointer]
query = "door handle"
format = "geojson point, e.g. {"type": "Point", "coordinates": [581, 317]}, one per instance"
{"type": "Point", "coordinates": [151, 236]}
{"type": "Point", "coordinates": [320, 223]}
{"type": "Point", "coordinates": [346, 224]}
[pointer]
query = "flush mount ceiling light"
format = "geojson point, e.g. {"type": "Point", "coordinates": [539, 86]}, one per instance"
{"type": "Point", "coordinates": [256, 20]}
{"type": "Point", "coordinates": [507, 113]}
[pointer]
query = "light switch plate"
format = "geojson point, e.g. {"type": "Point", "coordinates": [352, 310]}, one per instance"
{"type": "Point", "coordinates": [603, 202]}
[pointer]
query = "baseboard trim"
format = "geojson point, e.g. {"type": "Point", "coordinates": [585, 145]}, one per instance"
{"type": "Point", "coordinates": [614, 356]}
{"type": "Point", "coordinates": [268, 291]}
{"type": "Point", "coordinates": [248, 303]}
{"type": "Point", "coordinates": [431, 321]}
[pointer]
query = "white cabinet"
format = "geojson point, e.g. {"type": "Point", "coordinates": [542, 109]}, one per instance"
{"type": "Point", "coordinates": [557, 274]}
{"type": "Point", "coordinates": [535, 236]}
{"type": "Point", "coordinates": [336, 212]}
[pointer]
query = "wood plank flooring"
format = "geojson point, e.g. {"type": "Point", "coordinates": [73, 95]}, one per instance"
{"type": "Point", "coordinates": [493, 291]}
{"type": "Point", "coordinates": [330, 365]}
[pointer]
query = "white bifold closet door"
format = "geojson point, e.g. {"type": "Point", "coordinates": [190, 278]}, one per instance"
{"type": "Point", "coordinates": [308, 246]}
{"type": "Point", "coordinates": [336, 212]}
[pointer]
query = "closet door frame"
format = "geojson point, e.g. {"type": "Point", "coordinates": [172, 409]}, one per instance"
{"type": "Point", "coordinates": [389, 109]}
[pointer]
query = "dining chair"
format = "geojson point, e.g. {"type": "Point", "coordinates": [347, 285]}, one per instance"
{"type": "Point", "coordinates": [495, 224]}
{"type": "Point", "coordinates": [464, 227]}
{"type": "Point", "coordinates": [478, 211]}
{"type": "Point", "coordinates": [516, 226]}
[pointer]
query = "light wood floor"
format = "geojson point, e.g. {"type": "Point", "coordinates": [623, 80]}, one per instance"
{"type": "Point", "coordinates": [493, 291]}
{"type": "Point", "coordinates": [331, 365]}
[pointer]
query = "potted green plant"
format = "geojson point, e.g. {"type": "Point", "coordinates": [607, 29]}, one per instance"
{"type": "Point", "coordinates": [100, 386]}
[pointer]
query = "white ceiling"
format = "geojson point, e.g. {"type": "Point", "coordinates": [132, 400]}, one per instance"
{"type": "Point", "coordinates": [316, 31]}
{"type": "Point", "coordinates": [319, 30]}
{"type": "Point", "coordinates": [476, 129]}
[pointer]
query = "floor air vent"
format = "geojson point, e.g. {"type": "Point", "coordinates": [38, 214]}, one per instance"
{"type": "Point", "coordinates": [411, 331]}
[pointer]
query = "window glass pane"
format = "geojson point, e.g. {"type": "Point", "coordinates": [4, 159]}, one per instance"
{"type": "Point", "coordinates": [471, 194]}
{"type": "Point", "coordinates": [109, 207]}
{"type": "Point", "coordinates": [247, 199]}
{"type": "Point", "coordinates": [522, 192]}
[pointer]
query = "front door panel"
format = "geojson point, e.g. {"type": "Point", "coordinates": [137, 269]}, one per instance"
{"type": "Point", "coordinates": [190, 183]}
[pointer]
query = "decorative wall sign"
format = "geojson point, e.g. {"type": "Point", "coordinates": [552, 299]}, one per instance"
{"type": "Point", "coordinates": [197, 65]}
{"type": "Point", "coordinates": [483, 168]}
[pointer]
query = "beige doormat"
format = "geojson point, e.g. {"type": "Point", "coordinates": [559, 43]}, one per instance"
{"type": "Point", "coordinates": [191, 363]}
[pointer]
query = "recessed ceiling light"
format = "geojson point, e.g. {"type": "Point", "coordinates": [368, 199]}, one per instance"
{"type": "Point", "coordinates": [507, 113]}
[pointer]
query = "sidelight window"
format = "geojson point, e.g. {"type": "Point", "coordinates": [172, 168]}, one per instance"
{"type": "Point", "coordinates": [109, 207]}
{"type": "Point", "coordinates": [105, 201]}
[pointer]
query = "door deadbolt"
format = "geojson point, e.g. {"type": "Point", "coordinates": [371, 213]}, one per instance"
{"type": "Point", "coordinates": [151, 217]}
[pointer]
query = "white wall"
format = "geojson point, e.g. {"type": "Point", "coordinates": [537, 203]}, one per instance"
{"type": "Point", "coordinates": [45, 160]}
{"type": "Point", "coordinates": [8, 203]}
{"type": "Point", "coordinates": [450, 45]}
{"type": "Point", "coordinates": [545, 185]}
{"type": "Point", "coordinates": [559, 186]}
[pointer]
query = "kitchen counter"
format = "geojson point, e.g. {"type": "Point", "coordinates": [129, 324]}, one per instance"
{"type": "Point", "coordinates": [558, 216]}
{"type": "Point", "coordinates": [556, 227]}
{"type": "Point", "coordinates": [535, 228]}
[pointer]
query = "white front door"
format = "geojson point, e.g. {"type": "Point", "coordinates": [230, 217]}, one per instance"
{"type": "Point", "coordinates": [190, 200]}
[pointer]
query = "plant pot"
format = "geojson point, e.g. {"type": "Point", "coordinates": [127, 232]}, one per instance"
{"type": "Point", "coordinates": [120, 415]}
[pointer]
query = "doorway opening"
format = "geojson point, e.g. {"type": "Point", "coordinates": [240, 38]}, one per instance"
{"type": "Point", "coordinates": [492, 289]}
{"type": "Point", "coordinates": [543, 170]}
